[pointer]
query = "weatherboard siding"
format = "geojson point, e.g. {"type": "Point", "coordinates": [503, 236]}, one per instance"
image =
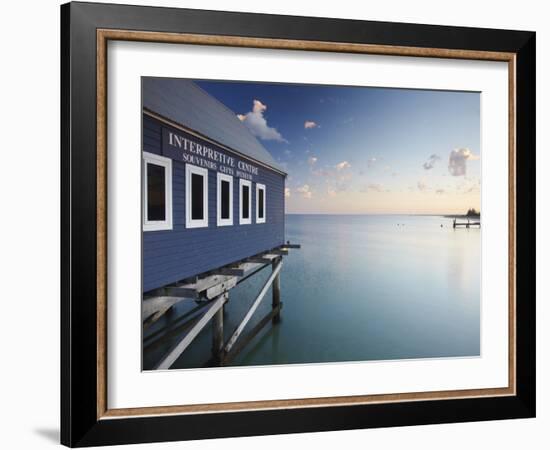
{"type": "Point", "coordinates": [172, 255]}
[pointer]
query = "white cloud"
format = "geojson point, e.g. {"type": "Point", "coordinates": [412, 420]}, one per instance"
{"type": "Point", "coordinates": [331, 192]}
{"type": "Point", "coordinates": [343, 165]}
{"type": "Point", "coordinates": [287, 192]}
{"type": "Point", "coordinates": [337, 172]}
{"type": "Point", "coordinates": [257, 124]}
{"type": "Point", "coordinates": [305, 191]}
{"type": "Point", "coordinates": [457, 161]}
{"type": "Point", "coordinates": [312, 160]}
{"type": "Point", "coordinates": [440, 191]}
{"type": "Point", "coordinates": [371, 162]}
{"type": "Point", "coordinates": [308, 124]}
{"type": "Point", "coordinates": [431, 162]}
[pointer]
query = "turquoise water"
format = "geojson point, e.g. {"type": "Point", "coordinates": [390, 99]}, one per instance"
{"type": "Point", "coordinates": [373, 287]}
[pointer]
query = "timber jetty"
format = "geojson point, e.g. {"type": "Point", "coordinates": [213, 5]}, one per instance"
{"type": "Point", "coordinates": [210, 293]}
{"type": "Point", "coordinates": [466, 224]}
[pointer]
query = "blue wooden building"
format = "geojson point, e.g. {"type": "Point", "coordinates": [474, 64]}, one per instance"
{"type": "Point", "coordinates": [212, 194]}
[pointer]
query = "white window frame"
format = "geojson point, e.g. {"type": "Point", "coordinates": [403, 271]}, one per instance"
{"type": "Point", "coordinates": [243, 221]}
{"type": "Point", "coordinates": [189, 222]}
{"type": "Point", "coordinates": [157, 225]}
{"type": "Point", "coordinates": [260, 187]}
{"type": "Point", "coordinates": [224, 177]}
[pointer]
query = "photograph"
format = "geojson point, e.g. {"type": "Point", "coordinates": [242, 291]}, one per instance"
{"type": "Point", "coordinates": [308, 223]}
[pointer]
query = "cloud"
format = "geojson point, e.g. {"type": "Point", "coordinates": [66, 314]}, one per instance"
{"type": "Point", "coordinates": [431, 162]}
{"type": "Point", "coordinates": [373, 187]}
{"type": "Point", "coordinates": [340, 186]}
{"type": "Point", "coordinates": [457, 161]}
{"type": "Point", "coordinates": [440, 191]}
{"type": "Point", "coordinates": [331, 192]}
{"type": "Point", "coordinates": [308, 124]}
{"type": "Point", "coordinates": [312, 160]}
{"type": "Point", "coordinates": [339, 172]}
{"type": "Point", "coordinates": [323, 173]}
{"type": "Point", "coordinates": [421, 186]}
{"type": "Point", "coordinates": [287, 192]}
{"type": "Point", "coordinates": [343, 165]}
{"type": "Point", "coordinates": [371, 162]}
{"type": "Point", "coordinates": [305, 191]}
{"type": "Point", "coordinates": [257, 124]}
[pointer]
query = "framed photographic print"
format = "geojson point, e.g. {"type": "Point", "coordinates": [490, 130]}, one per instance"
{"type": "Point", "coordinates": [276, 224]}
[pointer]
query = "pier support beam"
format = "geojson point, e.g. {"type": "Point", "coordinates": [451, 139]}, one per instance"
{"type": "Point", "coordinates": [253, 307]}
{"type": "Point", "coordinates": [213, 308]}
{"type": "Point", "coordinates": [276, 290]}
{"type": "Point", "coordinates": [210, 292]}
{"type": "Point", "coordinates": [217, 337]}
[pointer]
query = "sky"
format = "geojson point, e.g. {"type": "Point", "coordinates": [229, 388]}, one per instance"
{"type": "Point", "coordinates": [362, 150]}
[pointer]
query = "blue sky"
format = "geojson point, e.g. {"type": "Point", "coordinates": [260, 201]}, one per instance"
{"type": "Point", "coordinates": [365, 150]}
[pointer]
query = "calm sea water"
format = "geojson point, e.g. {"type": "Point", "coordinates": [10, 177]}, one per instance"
{"type": "Point", "coordinates": [373, 287]}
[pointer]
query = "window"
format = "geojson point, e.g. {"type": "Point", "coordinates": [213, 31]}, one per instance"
{"type": "Point", "coordinates": [196, 196]}
{"type": "Point", "coordinates": [225, 200]}
{"type": "Point", "coordinates": [157, 192]}
{"type": "Point", "coordinates": [245, 202]}
{"type": "Point", "coordinates": [260, 203]}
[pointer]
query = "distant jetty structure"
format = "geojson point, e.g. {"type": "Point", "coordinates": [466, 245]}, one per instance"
{"type": "Point", "coordinates": [472, 218]}
{"type": "Point", "coordinates": [466, 224]}
{"type": "Point", "coordinates": [213, 216]}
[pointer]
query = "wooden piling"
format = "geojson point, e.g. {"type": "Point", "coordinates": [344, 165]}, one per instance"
{"type": "Point", "coordinates": [253, 307]}
{"type": "Point", "coordinates": [211, 291]}
{"type": "Point", "coordinates": [276, 289]}
{"type": "Point", "coordinates": [245, 340]}
{"type": "Point", "coordinates": [217, 336]}
{"type": "Point", "coordinates": [213, 308]}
